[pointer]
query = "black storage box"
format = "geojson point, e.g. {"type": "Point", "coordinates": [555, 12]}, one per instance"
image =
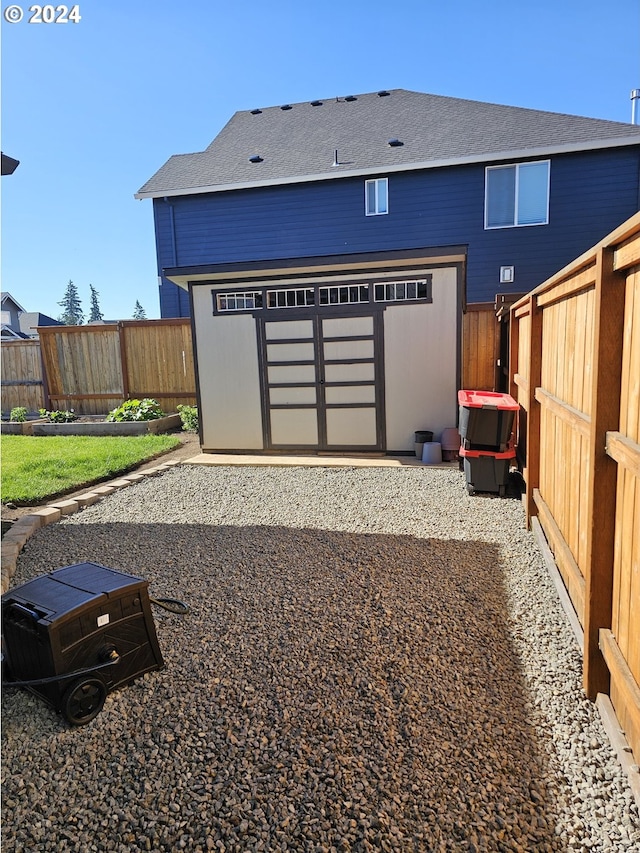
{"type": "Point", "coordinates": [486, 419]}
{"type": "Point", "coordinates": [86, 629]}
{"type": "Point", "coordinates": [487, 471]}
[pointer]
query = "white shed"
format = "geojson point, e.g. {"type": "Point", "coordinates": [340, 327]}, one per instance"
{"type": "Point", "coordinates": [324, 359]}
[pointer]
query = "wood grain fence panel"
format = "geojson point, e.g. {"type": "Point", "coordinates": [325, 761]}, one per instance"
{"type": "Point", "coordinates": [480, 330]}
{"type": "Point", "coordinates": [159, 362]}
{"type": "Point", "coordinates": [22, 382]}
{"type": "Point", "coordinates": [82, 364]}
{"type": "Point", "coordinates": [524, 345]}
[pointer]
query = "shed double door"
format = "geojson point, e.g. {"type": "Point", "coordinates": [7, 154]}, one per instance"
{"type": "Point", "coordinates": [322, 382]}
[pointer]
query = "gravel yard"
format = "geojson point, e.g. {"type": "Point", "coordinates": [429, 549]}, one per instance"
{"type": "Point", "coordinates": [374, 661]}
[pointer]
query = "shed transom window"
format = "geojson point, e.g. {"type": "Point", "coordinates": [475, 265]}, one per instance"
{"type": "Point", "coordinates": [402, 291]}
{"type": "Point", "coordinates": [245, 300]}
{"type": "Point", "coordinates": [344, 295]}
{"type": "Point", "coordinates": [290, 298]}
{"type": "Point", "coordinates": [517, 195]}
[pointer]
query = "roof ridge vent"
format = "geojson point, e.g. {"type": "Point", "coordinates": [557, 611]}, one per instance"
{"type": "Point", "coordinates": [256, 112]}
{"type": "Point", "coordinates": [286, 107]}
{"type": "Point", "coordinates": [383, 93]}
{"type": "Point", "coordinates": [351, 98]}
{"type": "Point", "coordinates": [316, 103]}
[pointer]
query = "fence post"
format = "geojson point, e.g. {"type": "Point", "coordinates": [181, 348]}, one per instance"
{"type": "Point", "coordinates": [533, 408]}
{"type": "Point", "coordinates": [45, 381]}
{"type": "Point", "coordinates": [123, 362]}
{"type": "Point", "coordinates": [601, 506]}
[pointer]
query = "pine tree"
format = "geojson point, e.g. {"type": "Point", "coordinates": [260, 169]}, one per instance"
{"type": "Point", "coordinates": [72, 305]}
{"type": "Point", "coordinates": [138, 312]}
{"type": "Point", "coordinates": [95, 315]}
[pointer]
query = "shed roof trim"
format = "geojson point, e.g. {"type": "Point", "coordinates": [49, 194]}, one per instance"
{"type": "Point", "coordinates": [298, 143]}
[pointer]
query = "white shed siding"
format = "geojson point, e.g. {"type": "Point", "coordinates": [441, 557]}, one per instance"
{"type": "Point", "coordinates": [229, 377]}
{"type": "Point", "coordinates": [420, 364]}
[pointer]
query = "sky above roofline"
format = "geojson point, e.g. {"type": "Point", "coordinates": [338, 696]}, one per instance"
{"type": "Point", "coordinates": [92, 109]}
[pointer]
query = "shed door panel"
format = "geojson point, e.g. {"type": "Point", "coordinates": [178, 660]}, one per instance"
{"type": "Point", "coordinates": [322, 383]}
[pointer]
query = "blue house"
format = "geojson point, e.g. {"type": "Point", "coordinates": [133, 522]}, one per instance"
{"type": "Point", "coordinates": [389, 212]}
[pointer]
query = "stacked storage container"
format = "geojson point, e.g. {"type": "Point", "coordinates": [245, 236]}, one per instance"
{"type": "Point", "coordinates": [486, 424]}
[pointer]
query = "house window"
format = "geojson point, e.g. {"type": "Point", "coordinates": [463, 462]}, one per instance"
{"type": "Point", "coordinates": [290, 298]}
{"type": "Point", "coordinates": [517, 195]}
{"type": "Point", "coordinates": [402, 291]}
{"type": "Point", "coordinates": [245, 300]}
{"type": "Point", "coordinates": [344, 295]}
{"type": "Point", "coordinates": [376, 197]}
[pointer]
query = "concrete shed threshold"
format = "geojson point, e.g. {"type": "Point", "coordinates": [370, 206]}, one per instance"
{"type": "Point", "coordinates": [313, 460]}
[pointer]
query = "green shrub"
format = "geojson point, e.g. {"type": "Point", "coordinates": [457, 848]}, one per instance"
{"type": "Point", "coordinates": [18, 414]}
{"type": "Point", "coordinates": [189, 417]}
{"type": "Point", "coordinates": [65, 416]}
{"type": "Point", "coordinates": [136, 410]}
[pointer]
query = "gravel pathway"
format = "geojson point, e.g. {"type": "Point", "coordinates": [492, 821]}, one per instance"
{"type": "Point", "coordinates": [374, 661]}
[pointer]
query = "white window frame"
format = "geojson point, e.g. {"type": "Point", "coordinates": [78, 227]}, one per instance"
{"type": "Point", "coordinates": [398, 291]}
{"type": "Point", "coordinates": [241, 298]}
{"type": "Point", "coordinates": [515, 223]}
{"type": "Point", "coordinates": [377, 183]}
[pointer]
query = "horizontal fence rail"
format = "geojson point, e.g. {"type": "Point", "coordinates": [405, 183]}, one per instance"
{"type": "Point", "coordinates": [575, 370]}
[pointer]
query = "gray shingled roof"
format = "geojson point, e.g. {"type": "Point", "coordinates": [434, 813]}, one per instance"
{"type": "Point", "coordinates": [299, 143]}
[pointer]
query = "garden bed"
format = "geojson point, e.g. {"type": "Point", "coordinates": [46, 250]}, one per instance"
{"type": "Point", "coordinates": [20, 427]}
{"type": "Point", "coordinates": [102, 427]}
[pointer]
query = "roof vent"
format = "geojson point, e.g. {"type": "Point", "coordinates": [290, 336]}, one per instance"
{"type": "Point", "coordinates": [255, 112]}
{"type": "Point", "coordinates": [383, 94]}
{"type": "Point", "coordinates": [351, 98]}
{"type": "Point", "coordinates": [286, 107]}
{"type": "Point", "coordinates": [316, 103]}
{"type": "Point", "coordinates": [395, 143]}
{"type": "Point", "coordinates": [255, 158]}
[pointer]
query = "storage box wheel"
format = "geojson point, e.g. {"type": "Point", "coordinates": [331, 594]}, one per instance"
{"type": "Point", "coordinates": [83, 700]}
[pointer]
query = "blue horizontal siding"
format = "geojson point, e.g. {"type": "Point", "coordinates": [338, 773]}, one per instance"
{"type": "Point", "coordinates": [591, 194]}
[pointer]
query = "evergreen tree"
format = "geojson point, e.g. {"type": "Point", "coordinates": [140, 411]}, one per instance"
{"type": "Point", "coordinates": [138, 312]}
{"type": "Point", "coordinates": [95, 313]}
{"type": "Point", "coordinates": [72, 314]}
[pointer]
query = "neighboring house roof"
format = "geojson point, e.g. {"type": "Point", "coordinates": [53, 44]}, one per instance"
{"type": "Point", "coordinates": [9, 164]}
{"type": "Point", "coordinates": [30, 320]}
{"type": "Point", "coordinates": [7, 297]}
{"type": "Point", "coordinates": [297, 143]}
{"type": "Point", "coordinates": [10, 332]}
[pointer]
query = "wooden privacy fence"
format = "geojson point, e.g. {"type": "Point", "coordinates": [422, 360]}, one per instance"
{"type": "Point", "coordinates": [93, 368]}
{"type": "Point", "coordinates": [22, 383]}
{"type": "Point", "coordinates": [575, 368]}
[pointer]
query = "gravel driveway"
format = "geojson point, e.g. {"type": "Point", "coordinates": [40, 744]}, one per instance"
{"type": "Point", "coordinates": [373, 660]}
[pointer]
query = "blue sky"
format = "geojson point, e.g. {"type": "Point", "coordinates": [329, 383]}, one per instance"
{"type": "Point", "coordinates": [93, 109]}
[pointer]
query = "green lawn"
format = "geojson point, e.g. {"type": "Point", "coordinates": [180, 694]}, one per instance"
{"type": "Point", "coordinates": [35, 468]}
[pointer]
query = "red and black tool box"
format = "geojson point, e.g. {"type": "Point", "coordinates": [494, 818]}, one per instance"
{"type": "Point", "coordinates": [77, 634]}
{"type": "Point", "coordinates": [486, 419]}
{"type": "Point", "coordinates": [487, 470]}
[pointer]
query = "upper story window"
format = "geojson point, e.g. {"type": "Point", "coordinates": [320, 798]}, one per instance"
{"type": "Point", "coordinates": [376, 196]}
{"type": "Point", "coordinates": [517, 195]}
